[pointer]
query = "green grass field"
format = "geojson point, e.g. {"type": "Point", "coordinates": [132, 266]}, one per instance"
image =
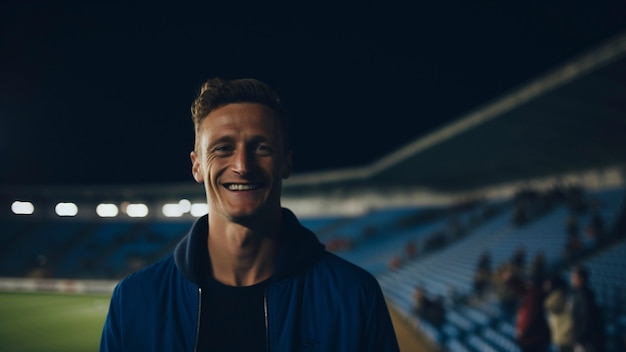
{"type": "Point", "coordinates": [64, 322]}
{"type": "Point", "coordinates": [51, 322]}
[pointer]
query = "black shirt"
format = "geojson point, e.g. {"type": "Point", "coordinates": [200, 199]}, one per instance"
{"type": "Point", "coordinates": [233, 318]}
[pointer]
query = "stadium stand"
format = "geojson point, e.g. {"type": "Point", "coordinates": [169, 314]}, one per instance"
{"type": "Point", "coordinates": [481, 324]}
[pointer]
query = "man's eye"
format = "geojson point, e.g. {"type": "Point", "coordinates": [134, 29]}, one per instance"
{"type": "Point", "coordinates": [263, 148]}
{"type": "Point", "coordinates": [222, 149]}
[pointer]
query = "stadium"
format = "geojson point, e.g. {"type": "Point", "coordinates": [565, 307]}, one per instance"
{"type": "Point", "coordinates": [506, 178]}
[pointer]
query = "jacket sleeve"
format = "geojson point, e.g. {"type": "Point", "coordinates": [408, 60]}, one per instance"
{"type": "Point", "coordinates": [111, 339]}
{"type": "Point", "coordinates": [379, 333]}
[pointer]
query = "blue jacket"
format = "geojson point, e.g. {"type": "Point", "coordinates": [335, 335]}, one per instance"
{"type": "Point", "coordinates": [315, 301]}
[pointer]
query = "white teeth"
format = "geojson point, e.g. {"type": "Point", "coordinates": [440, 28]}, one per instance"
{"type": "Point", "coordinates": [242, 187]}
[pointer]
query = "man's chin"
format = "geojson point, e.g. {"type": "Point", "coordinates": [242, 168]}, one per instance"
{"type": "Point", "coordinates": [251, 217]}
{"type": "Point", "coordinates": [243, 212]}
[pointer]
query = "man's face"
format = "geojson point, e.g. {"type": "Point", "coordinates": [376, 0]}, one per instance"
{"type": "Point", "coordinates": [241, 160]}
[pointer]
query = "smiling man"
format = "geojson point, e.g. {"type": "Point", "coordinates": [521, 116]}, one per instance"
{"type": "Point", "coordinates": [248, 276]}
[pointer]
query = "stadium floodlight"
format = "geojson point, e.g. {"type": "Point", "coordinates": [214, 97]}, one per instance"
{"type": "Point", "coordinates": [107, 210]}
{"type": "Point", "coordinates": [22, 208]}
{"type": "Point", "coordinates": [199, 209]}
{"type": "Point", "coordinates": [172, 210]}
{"type": "Point", "coordinates": [184, 205]}
{"type": "Point", "coordinates": [137, 210]}
{"type": "Point", "coordinates": [66, 209]}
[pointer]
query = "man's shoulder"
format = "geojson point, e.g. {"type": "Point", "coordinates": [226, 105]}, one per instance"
{"type": "Point", "coordinates": [346, 270]}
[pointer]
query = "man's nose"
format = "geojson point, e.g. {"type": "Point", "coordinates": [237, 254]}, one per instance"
{"type": "Point", "coordinates": [242, 161]}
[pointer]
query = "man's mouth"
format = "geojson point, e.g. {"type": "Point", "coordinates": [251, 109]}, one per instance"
{"type": "Point", "coordinates": [243, 186]}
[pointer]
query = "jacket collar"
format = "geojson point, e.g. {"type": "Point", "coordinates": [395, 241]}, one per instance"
{"type": "Point", "coordinates": [298, 249]}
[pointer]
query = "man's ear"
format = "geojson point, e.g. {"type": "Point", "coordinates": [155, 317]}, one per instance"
{"type": "Point", "coordinates": [288, 167]}
{"type": "Point", "coordinates": [196, 171]}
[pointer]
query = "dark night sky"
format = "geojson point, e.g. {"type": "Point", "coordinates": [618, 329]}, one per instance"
{"type": "Point", "coordinates": [99, 93]}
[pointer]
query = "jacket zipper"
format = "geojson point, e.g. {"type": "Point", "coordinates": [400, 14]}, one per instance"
{"type": "Point", "coordinates": [267, 324]}
{"type": "Point", "coordinates": [195, 348]}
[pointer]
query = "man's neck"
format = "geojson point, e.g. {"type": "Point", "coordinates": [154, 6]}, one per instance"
{"type": "Point", "coordinates": [241, 256]}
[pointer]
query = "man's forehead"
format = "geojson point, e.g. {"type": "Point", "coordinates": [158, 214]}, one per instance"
{"type": "Point", "coordinates": [237, 125]}
{"type": "Point", "coordinates": [239, 115]}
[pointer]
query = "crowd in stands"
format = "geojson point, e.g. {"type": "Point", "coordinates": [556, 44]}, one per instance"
{"type": "Point", "coordinates": [550, 313]}
{"type": "Point", "coordinates": [549, 310]}
{"type": "Point", "coordinates": [431, 310]}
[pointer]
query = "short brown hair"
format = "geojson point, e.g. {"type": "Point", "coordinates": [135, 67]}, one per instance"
{"type": "Point", "coordinates": [217, 92]}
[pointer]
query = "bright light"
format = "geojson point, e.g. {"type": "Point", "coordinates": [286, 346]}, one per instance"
{"type": "Point", "coordinates": [199, 209]}
{"type": "Point", "coordinates": [137, 210]}
{"type": "Point", "coordinates": [22, 208]}
{"type": "Point", "coordinates": [175, 210]}
{"type": "Point", "coordinates": [172, 210]}
{"type": "Point", "coordinates": [107, 210]}
{"type": "Point", "coordinates": [66, 209]}
{"type": "Point", "coordinates": [184, 205]}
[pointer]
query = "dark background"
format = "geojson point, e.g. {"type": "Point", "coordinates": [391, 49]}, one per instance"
{"type": "Point", "coordinates": [99, 93]}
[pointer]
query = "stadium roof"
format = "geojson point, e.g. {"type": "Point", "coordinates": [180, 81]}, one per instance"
{"type": "Point", "coordinates": [571, 119]}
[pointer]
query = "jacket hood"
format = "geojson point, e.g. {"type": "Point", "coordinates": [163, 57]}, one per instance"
{"type": "Point", "coordinates": [298, 249]}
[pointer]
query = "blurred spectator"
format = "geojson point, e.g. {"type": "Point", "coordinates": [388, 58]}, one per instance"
{"type": "Point", "coordinates": [587, 316]}
{"type": "Point", "coordinates": [421, 303]}
{"type": "Point", "coordinates": [538, 268]}
{"type": "Point", "coordinates": [482, 275]}
{"type": "Point", "coordinates": [506, 281]}
{"type": "Point", "coordinates": [573, 244]}
{"type": "Point", "coordinates": [410, 250]}
{"type": "Point", "coordinates": [518, 260]}
{"type": "Point", "coordinates": [595, 230]}
{"type": "Point", "coordinates": [559, 314]}
{"type": "Point", "coordinates": [435, 241]}
{"type": "Point", "coordinates": [339, 244]}
{"type": "Point", "coordinates": [437, 313]}
{"type": "Point", "coordinates": [431, 311]}
{"type": "Point", "coordinates": [572, 247]}
{"type": "Point", "coordinates": [532, 333]}
{"type": "Point", "coordinates": [395, 262]}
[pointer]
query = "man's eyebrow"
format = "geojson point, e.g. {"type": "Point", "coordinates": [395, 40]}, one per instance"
{"type": "Point", "coordinates": [222, 139]}
{"type": "Point", "coordinates": [261, 138]}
